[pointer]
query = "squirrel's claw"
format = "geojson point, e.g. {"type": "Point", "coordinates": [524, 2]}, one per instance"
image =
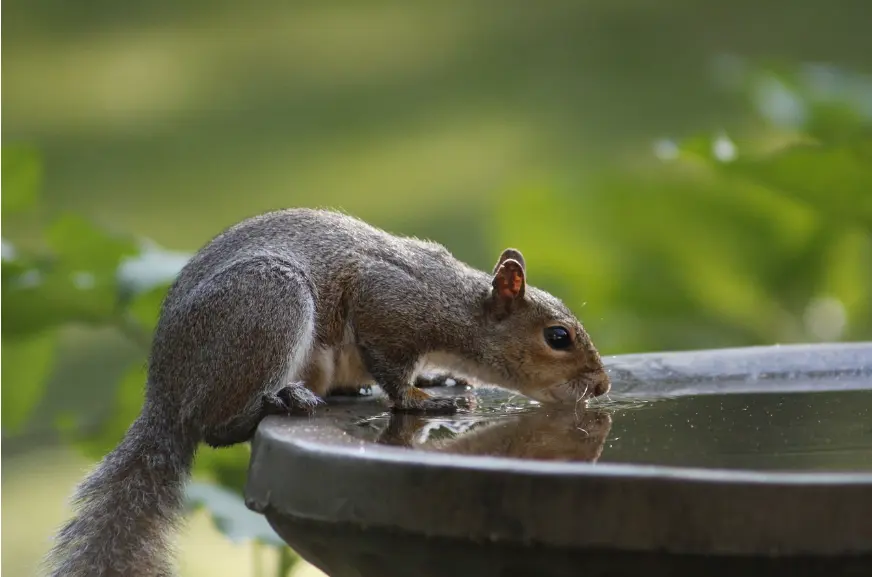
{"type": "Point", "coordinates": [291, 399]}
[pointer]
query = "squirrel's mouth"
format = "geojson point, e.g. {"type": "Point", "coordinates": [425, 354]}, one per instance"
{"type": "Point", "coordinates": [589, 385]}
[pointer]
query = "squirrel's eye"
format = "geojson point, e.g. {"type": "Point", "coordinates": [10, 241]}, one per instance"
{"type": "Point", "coordinates": [558, 338]}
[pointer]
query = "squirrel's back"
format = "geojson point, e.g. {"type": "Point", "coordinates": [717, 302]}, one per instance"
{"type": "Point", "coordinates": [322, 243]}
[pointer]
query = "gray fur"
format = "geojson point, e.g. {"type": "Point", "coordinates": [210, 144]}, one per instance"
{"type": "Point", "coordinates": [246, 328]}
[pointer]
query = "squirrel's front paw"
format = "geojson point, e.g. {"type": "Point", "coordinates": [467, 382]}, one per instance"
{"type": "Point", "coordinates": [290, 399]}
{"type": "Point", "coordinates": [413, 400]}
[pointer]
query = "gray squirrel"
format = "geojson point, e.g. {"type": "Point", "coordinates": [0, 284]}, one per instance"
{"type": "Point", "coordinates": [274, 314]}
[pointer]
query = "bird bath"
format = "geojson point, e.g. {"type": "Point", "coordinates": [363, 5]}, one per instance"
{"type": "Point", "coordinates": [732, 462]}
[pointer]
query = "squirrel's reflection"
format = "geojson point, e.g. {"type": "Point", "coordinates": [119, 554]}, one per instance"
{"type": "Point", "coordinates": [556, 435]}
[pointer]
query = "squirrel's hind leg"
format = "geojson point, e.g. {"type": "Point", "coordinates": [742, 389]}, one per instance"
{"type": "Point", "coordinates": [246, 336]}
{"type": "Point", "coordinates": [291, 399]}
{"type": "Point", "coordinates": [238, 430]}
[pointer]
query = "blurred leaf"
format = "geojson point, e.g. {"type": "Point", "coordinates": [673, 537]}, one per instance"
{"type": "Point", "coordinates": [664, 258]}
{"type": "Point", "coordinates": [45, 296]}
{"type": "Point", "coordinates": [78, 244]}
{"type": "Point", "coordinates": [77, 284]}
{"type": "Point", "coordinates": [126, 407]}
{"type": "Point", "coordinates": [22, 178]}
{"type": "Point", "coordinates": [145, 307]}
{"type": "Point", "coordinates": [152, 268]}
{"type": "Point", "coordinates": [227, 466]}
{"type": "Point", "coordinates": [699, 146]}
{"type": "Point", "coordinates": [230, 515]}
{"type": "Point", "coordinates": [836, 180]}
{"type": "Point", "coordinates": [27, 364]}
{"type": "Point", "coordinates": [823, 101]}
{"type": "Point", "coordinates": [832, 122]}
{"type": "Point", "coordinates": [837, 101]}
{"type": "Point", "coordinates": [847, 276]}
{"type": "Point", "coordinates": [288, 559]}
{"type": "Point", "coordinates": [14, 264]}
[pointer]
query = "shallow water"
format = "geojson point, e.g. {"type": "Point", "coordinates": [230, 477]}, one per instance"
{"type": "Point", "coordinates": [812, 431]}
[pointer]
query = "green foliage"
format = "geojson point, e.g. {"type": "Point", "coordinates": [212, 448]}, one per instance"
{"type": "Point", "coordinates": [728, 242]}
{"type": "Point", "coordinates": [22, 177]}
{"type": "Point", "coordinates": [76, 282]}
{"type": "Point", "coordinates": [27, 363]}
{"type": "Point", "coordinates": [144, 308]}
{"type": "Point", "coordinates": [125, 408]}
{"type": "Point", "coordinates": [831, 177]}
{"type": "Point", "coordinates": [228, 467]}
{"type": "Point", "coordinates": [84, 274]}
{"type": "Point", "coordinates": [233, 519]}
{"type": "Point", "coordinates": [230, 515]}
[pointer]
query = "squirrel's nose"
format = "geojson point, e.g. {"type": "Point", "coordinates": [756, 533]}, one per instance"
{"type": "Point", "coordinates": [602, 384]}
{"type": "Point", "coordinates": [602, 388]}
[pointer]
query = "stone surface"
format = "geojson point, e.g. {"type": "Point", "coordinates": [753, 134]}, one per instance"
{"type": "Point", "coordinates": [354, 507]}
{"type": "Point", "coordinates": [845, 366]}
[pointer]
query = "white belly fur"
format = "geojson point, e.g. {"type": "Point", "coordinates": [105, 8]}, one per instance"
{"type": "Point", "coordinates": [457, 366]}
{"type": "Point", "coordinates": [342, 367]}
{"type": "Point", "coordinates": [335, 368]}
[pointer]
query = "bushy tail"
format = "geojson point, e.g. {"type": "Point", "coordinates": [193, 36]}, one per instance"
{"type": "Point", "coordinates": [128, 506]}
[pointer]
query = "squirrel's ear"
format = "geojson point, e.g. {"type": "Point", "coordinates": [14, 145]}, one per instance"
{"type": "Point", "coordinates": [511, 253]}
{"type": "Point", "coordinates": [509, 280]}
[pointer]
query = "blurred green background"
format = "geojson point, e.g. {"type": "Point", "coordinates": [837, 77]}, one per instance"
{"type": "Point", "coordinates": [683, 174]}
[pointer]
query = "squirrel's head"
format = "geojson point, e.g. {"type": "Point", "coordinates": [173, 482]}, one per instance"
{"type": "Point", "coordinates": [537, 342]}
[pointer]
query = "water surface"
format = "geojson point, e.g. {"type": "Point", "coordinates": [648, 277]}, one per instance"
{"type": "Point", "coordinates": [793, 431]}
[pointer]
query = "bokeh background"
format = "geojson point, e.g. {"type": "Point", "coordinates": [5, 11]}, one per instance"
{"type": "Point", "coordinates": [685, 174]}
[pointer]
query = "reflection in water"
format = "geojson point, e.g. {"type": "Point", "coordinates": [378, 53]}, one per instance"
{"type": "Point", "coordinates": [567, 435]}
{"type": "Point", "coordinates": [763, 431]}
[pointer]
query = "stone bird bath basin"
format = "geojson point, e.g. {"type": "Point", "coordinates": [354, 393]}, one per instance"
{"type": "Point", "coordinates": [740, 462]}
